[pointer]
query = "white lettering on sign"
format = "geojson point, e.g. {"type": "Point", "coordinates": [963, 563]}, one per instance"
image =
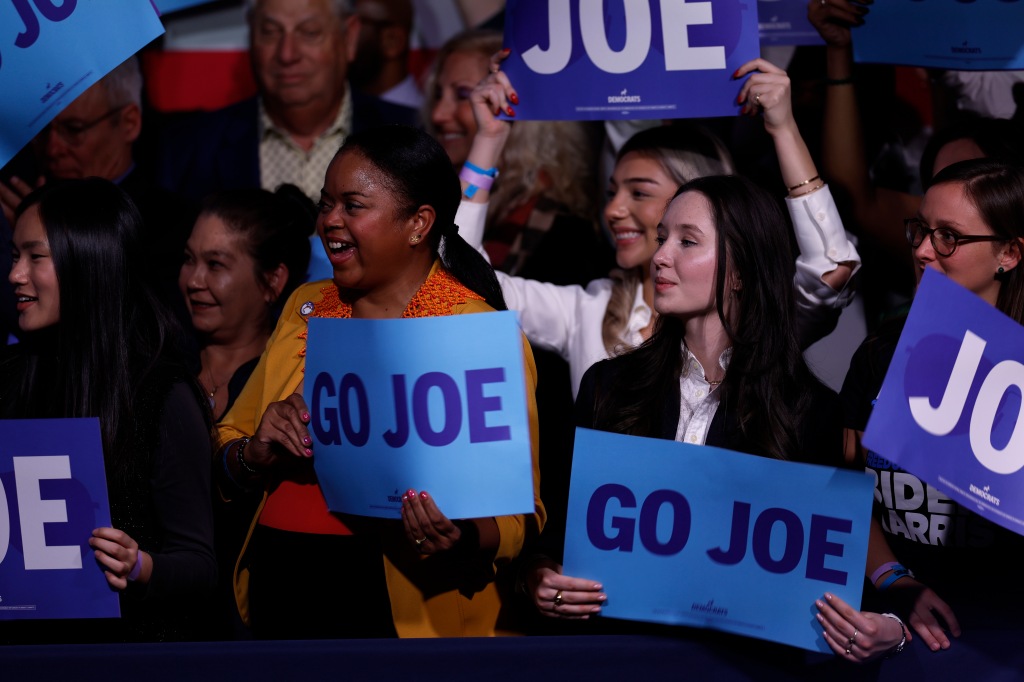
{"type": "Point", "coordinates": [939, 421]}
{"type": "Point", "coordinates": [36, 512]}
{"type": "Point", "coordinates": [676, 16]}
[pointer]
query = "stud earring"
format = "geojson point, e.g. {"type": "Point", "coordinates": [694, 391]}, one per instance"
{"type": "Point", "coordinates": [1000, 270]}
{"type": "Point", "coordinates": [415, 239]}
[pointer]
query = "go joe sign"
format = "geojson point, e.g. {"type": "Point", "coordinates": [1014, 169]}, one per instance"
{"type": "Point", "coordinates": [436, 404]}
{"type": "Point", "coordinates": [628, 59]}
{"type": "Point", "coordinates": [696, 535]}
{"type": "Point", "coordinates": [950, 408]}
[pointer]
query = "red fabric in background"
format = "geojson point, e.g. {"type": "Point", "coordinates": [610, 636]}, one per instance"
{"type": "Point", "coordinates": [190, 80]}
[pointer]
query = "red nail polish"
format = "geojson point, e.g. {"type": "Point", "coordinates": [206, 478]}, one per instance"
{"type": "Point", "coordinates": [309, 453]}
{"type": "Point", "coordinates": [506, 51]}
{"type": "Point", "coordinates": [424, 495]}
{"type": "Point", "coordinates": [514, 97]}
{"type": "Point", "coordinates": [739, 98]}
{"type": "Point", "coordinates": [508, 110]}
{"type": "Point", "coordinates": [410, 492]}
{"type": "Point", "coordinates": [405, 497]}
{"type": "Point", "coordinates": [736, 73]}
{"type": "Point", "coordinates": [305, 416]}
{"type": "Point", "coordinates": [307, 440]}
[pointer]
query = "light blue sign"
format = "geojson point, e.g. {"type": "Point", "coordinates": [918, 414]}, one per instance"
{"type": "Point", "coordinates": [784, 22]}
{"type": "Point", "coordinates": [168, 6]}
{"type": "Point", "coordinates": [435, 404]}
{"type": "Point", "coordinates": [695, 535]}
{"type": "Point", "coordinates": [980, 35]}
{"type": "Point", "coordinates": [950, 409]}
{"type": "Point", "coordinates": [51, 53]}
{"type": "Point", "coordinates": [53, 493]}
{"type": "Point", "coordinates": [596, 59]}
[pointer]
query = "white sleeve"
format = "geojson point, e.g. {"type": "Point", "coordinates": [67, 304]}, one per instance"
{"type": "Point", "coordinates": [471, 219]}
{"type": "Point", "coordinates": [824, 244]}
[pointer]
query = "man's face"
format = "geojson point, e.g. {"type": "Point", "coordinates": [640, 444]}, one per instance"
{"type": "Point", "coordinates": [300, 51]}
{"type": "Point", "coordinates": [89, 138]}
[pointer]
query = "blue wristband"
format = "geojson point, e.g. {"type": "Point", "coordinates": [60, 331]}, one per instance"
{"type": "Point", "coordinates": [493, 172]}
{"type": "Point", "coordinates": [898, 572]}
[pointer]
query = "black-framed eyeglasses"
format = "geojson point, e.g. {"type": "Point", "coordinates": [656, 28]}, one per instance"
{"type": "Point", "coordinates": [73, 132]}
{"type": "Point", "coordinates": [944, 240]}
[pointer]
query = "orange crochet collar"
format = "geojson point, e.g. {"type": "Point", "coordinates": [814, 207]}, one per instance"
{"type": "Point", "coordinates": [435, 298]}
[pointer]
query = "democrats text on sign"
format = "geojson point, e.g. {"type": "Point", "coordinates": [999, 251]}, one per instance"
{"type": "Point", "coordinates": [784, 22]}
{"type": "Point", "coordinates": [597, 59]}
{"type": "Point", "coordinates": [696, 535]}
{"type": "Point", "coordinates": [950, 408]}
{"type": "Point", "coordinates": [944, 34]}
{"type": "Point", "coordinates": [50, 53]}
{"type": "Point", "coordinates": [436, 404]}
{"type": "Point", "coordinates": [53, 493]}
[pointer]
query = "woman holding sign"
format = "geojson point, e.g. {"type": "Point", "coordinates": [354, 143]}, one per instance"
{"type": "Point", "coordinates": [387, 223]}
{"type": "Point", "coordinates": [926, 550]}
{"type": "Point", "coordinates": [98, 344]}
{"type": "Point", "coordinates": [611, 315]}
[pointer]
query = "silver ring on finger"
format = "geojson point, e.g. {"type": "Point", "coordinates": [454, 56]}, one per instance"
{"type": "Point", "coordinates": [757, 99]}
{"type": "Point", "coordinates": [421, 541]}
{"type": "Point", "coordinates": [848, 653]}
{"type": "Point", "coordinates": [557, 601]}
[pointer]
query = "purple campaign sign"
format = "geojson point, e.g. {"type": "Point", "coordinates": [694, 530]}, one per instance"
{"type": "Point", "coordinates": [613, 59]}
{"type": "Point", "coordinates": [784, 22]}
{"type": "Point", "coordinates": [53, 493]}
{"type": "Point", "coordinates": [949, 411]}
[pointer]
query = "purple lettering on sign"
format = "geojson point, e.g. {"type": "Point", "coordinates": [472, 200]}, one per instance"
{"type": "Point", "coordinates": [794, 547]}
{"type": "Point", "coordinates": [623, 539]}
{"type": "Point", "coordinates": [452, 409]}
{"type": "Point", "coordinates": [680, 522]}
{"type": "Point", "coordinates": [479, 405]}
{"type": "Point", "coordinates": [818, 547]}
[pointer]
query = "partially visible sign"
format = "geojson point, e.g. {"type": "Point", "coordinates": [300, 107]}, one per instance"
{"type": "Point", "coordinates": [980, 35]}
{"type": "Point", "coordinates": [51, 53]}
{"type": "Point", "coordinates": [784, 22]}
{"type": "Point", "coordinates": [950, 408]}
{"type": "Point", "coordinates": [596, 60]}
{"type": "Point", "coordinates": [53, 493]}
{"type": "Point", "coordinates": [168, 6]}
{"type": "Point", "coordinates": [696, 535]}
{"type": "Point", "coordinates": [434, 403]}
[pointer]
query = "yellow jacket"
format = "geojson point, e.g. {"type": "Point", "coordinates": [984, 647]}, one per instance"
{"type": "Point", "coordinates": [425, 602]}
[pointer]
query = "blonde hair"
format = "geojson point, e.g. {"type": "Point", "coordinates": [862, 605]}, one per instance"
{"type": "Point", "coordinates": [684, 151]}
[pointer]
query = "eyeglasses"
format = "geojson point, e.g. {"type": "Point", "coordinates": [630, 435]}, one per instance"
{"type": "Point", "coordinates": [944, 240]}
{"type": "Point", "coordinates": [73, 132]}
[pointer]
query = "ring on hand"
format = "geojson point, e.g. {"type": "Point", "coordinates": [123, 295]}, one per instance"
{"type": "Point", "coordinates": [558, 598]}
{"type": "Point", "coordinates": [757, 98]}
{"type": "Point", "coordinates": [847, 652]}
{"type": "Point", "coordinates": [421, 540]}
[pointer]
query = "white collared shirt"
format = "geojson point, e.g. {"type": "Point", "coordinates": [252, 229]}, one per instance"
{"type": "Point", "coordinates": [698, 399]}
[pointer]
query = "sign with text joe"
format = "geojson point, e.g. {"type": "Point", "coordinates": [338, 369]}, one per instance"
{"type": "Point", "coordinates": [626, 59]}
{"type": "Point", "coordinates": [53, 493]}
{"type": "Point", "coordinates": [435, 404]}
{"type": "Point", "coordinates": [943, 34]}
{"type": "Point", "coordinates": [950, 408]}
{"type": "Point", "coordinates": [700, 536]}
{"type": "Point", "coordinates": [50, 53]}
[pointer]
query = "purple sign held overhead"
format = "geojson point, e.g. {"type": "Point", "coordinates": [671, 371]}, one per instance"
{"type": "Point", "coordinates": [612, 59]}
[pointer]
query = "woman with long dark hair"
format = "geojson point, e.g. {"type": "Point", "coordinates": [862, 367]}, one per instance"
{"type": "Point", "coordinates": [386, 220]}
{"type": "Point", "coordinates": [98, 344]}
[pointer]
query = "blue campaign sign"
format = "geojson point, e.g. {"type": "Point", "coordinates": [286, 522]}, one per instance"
{"type": "Point", "coordinates": [435, 404]}
{"type": "Point", "coordinates": [51, 53]}
{"type": "Point", "coordinates": [618, 59]}
{"type": "Point", "coordinates": [168, 6]}
{"type": "Point", "coordinates": [980, 35]}
{"type": "Point", "coordinates": [696, 535]}
{"type": "Point", "coordinates": [949, 411]}
{"type": "Point", "coordinates": [53, 493]}
{"type": "Point", "coordinates": [784, 22]}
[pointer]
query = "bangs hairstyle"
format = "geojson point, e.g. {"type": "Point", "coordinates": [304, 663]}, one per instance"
{"type": "Point", "coordinates": [417, 171]}
{"type": "Point", "coordinates": [766, 379]}
{"type": "Point", "coordinates": [996, 189]}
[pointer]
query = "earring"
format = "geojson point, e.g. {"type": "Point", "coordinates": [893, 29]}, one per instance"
{"type": "Point", "coordinates": [415, 239]}
{"type": "Point", "coordinates": [1000, 270]}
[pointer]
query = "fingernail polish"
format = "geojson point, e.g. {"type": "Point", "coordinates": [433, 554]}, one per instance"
{"type": "Point", "coordinates": [309, 453]}
{"type": "Point", "coordinates": [828, 596]}
{"type": "Point", "coordinates": [410, 492]}
{"type": "Point", "coordinates": [514, 97]}
{"type": "Point", "coordinates": [305, 416]}
{"type": "Point", "coordinates": [508, 110]}
{"type": "Point", "coordinates": [736, 73]}
{"type": "Point", "coordinates": [424, 495]}
{"type": "Point", "coordinates": [307, 440]}
{"type": "Point", "coordinates": [506, 51]}
{"type": "Point", "coordinates": [739, 98]}
{"type": "Point", "coordinates": [405, 497]}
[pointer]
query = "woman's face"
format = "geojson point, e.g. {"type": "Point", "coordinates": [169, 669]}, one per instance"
{"type": "Point", "coordinates": [225, 297]}
{"type": "Point", "coordinates": [359, 223]}
{"type": "Point", "coordinates": [452, 113]}
{"type": "Point", "coordinates": [33, 274]}
{"type": "Point", "coordinates": [685, 264]}
{"type": "Point", "coordinates": [973, 265]}
{"type": "Point", "coordinates": [638, 193]}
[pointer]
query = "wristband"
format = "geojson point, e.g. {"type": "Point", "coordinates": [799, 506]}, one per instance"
{"type": "Point", "coordinates": [477, 180]}
{"type": "Point", "coordinates": [133, 574]}
{"type": "Point", "coordinates": [888, 566]}
{"type": "Point", "coordinates": [898, 572]}
{"type": "Point", "coordinates": [240, 456]}
{"type": "Point", "coordinates": [805, 182]}
{"type": "Point", "coordinates": [490, 172]}
{"type": "Point", "coordinates": [903, 642]}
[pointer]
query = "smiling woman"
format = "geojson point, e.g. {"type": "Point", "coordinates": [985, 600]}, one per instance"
{"type": "Point", "coordinates": [386, 220]}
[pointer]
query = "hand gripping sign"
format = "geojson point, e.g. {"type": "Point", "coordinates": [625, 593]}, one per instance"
{"type": "Point", "coordinates": [950, 408]}
{"type": "Point", "coordinates": [627, 59]}
{"type": "Point", "coordinates": [53, 493]}
{"type": "Point", "coordinates": [436, 404]}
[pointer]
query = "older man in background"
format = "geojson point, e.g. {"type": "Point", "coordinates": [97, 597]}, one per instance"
{"type": "Point", "coordinates": [300, 52]}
